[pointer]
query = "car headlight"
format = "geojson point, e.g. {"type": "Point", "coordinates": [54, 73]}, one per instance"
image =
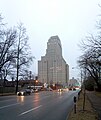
{"type": "Point", "coordinates": [22, 93]}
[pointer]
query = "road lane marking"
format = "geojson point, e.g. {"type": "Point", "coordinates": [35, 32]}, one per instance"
{"type": "Point", "coordinates": [8, 106]}
{"type": "Point", "coordinates": [30, 110]}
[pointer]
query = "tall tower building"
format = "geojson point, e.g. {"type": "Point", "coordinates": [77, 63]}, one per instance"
{"type": "Point", "coordinates": [52, 68]}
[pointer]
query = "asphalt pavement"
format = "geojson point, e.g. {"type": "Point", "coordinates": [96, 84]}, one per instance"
{"type": "Point", "coordinates": [46, 105]}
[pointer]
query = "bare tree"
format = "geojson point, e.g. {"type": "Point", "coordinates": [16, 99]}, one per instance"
{"type": "Point", "coordinates": [90, 59]}
{"type": "Point", "coordinates": [24, 57]}
{"type": "Point", "coordinates": [15, 55]}
{"type": "Point", "coordinates": [7, 39]}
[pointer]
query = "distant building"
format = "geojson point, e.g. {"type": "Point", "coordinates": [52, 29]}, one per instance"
{"type": "Point", "coordinates": [52, 68]}
{"type": "Point", "coordinates": [73, 83]}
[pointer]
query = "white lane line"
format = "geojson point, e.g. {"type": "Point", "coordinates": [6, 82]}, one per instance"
{"type": "Point", "coordinates": [8, 105]}
{"type": "Point", "coordinates": [30, 110]}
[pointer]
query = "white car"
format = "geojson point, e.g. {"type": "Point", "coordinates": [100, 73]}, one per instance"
{"type": "Point", "coordinates": [60, 90]}
{"type": "Point", "coordinates": [24, 92]}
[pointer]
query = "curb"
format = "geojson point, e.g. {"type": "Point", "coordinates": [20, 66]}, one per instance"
{"type": "Point", "coordinates": [7, 94]}
{"type": "Point", "coordinates": [69, 113]}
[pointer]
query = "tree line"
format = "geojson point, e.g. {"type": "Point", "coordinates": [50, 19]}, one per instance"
{"type": "Point", "coordinates": [90, 60]}
{"type": "Point", "coordinates": [15, 53]}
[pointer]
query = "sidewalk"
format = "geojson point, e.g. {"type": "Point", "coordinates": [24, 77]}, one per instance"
{"type": "Point", "coordinates": [89, 112]}
{"type": "Point", "coordinates": [96, 102]}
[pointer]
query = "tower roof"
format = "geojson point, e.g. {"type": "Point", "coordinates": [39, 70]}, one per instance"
{"type": "Point", "coordinates": [54, 39]}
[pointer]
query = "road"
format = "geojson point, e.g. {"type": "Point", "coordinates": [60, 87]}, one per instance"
{"type": "Point", "coordinates": [46, 105]}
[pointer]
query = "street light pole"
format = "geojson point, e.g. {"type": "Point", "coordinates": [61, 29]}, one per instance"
{"type": "Point", "coordinates": [30, 74]}
{"type": "Point", "coordinates": [84, 85]}
{"type": "Point", "coordinates": [99, 59]}
{"type": "Point", "coordinates": [34, 85]}
{"type": "Point", "coordinates": [81, 80]}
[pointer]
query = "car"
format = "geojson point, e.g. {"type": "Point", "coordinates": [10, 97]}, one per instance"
{"type": "Point", "coordinates": [74, 89]}
{"type": "Point", "coordinates": [24, 92]}
{"type": "Point", "coordinates": [70, 88]}
{"type": "Point", "coordinates": [31, 90]}
{"type": "Point", "coordinates": [49, 89]}
{"type": "Point", "coordinates": [60, 90]}
{"type": "Point", "coordinates": [35, 90]}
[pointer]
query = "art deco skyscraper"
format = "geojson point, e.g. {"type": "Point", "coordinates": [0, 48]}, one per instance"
{"type": "Point", "coordinates": [52, 68]}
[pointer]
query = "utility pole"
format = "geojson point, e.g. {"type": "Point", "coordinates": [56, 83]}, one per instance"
{"type": "Point", "coordinates": [17, 65]}
{"type": "Point", "coordinates": [84, 91]}
{"type": "Point", "coordinates": [30, 74]}
{"type": "Point", "coordinates": [81, 80]}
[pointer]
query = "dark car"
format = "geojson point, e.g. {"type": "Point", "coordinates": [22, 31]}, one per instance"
{"type": "Point", "coordinates": [74, 89]}
{"type": "Point", "coordinates": [24, 92]}
{"type": "Point", "coordinates": [70, 88]}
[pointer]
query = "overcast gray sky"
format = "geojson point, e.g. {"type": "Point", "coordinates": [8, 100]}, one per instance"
{"type": "Point", "coordinates": [71, 20]}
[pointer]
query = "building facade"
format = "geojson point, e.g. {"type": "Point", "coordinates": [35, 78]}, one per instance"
{"type": "Point", "coordinates": [52, 68]}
